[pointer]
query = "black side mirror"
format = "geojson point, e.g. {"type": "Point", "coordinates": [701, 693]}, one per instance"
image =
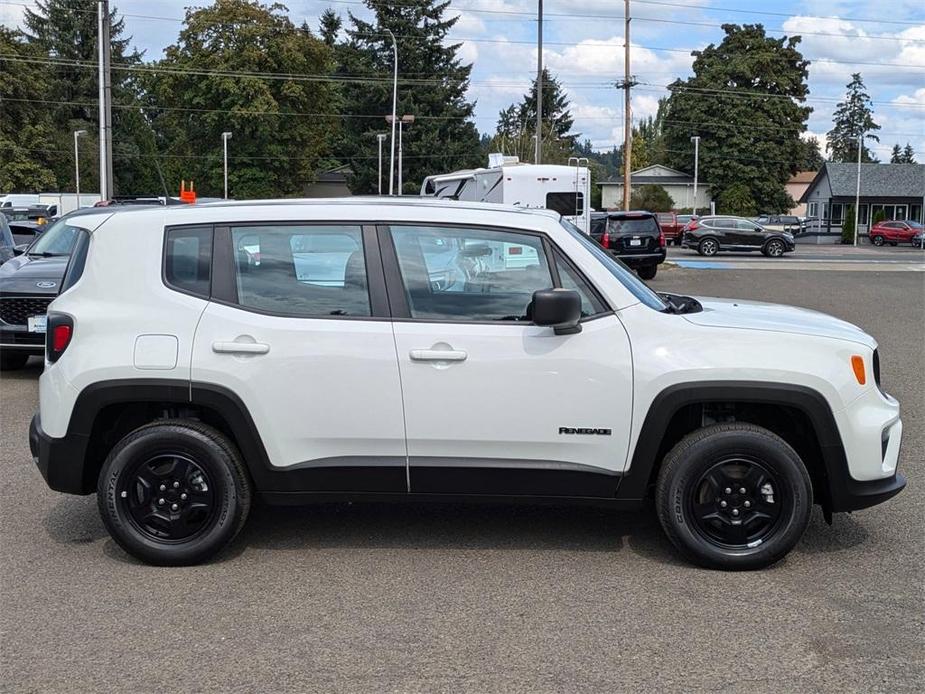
{"type": "Point", "coordinates": [559, 309]}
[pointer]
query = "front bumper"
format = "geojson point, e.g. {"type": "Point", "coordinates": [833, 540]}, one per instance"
{"type": "Point", "coordinates": [60, 460]}
{"type": "Point", "coordinates": [850, 495]}
{"type": "Point", "coordinates": [18, 338]}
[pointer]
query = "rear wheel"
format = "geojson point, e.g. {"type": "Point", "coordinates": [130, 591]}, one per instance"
{"type": "Point", "coordinates": [876, 240]}
{"type": "Point", "coordinates": [733, 496]}
{"type": "Point", "coordinates": [708, 247]}
{"type": "Point", "coordinates": [774, 248]}
{"type": "Point", "coordinates": [10, 361]}
{"type": "Point", "coordinates": [647, 272]}
{"type": "Point", "coordinates": [173, 492]}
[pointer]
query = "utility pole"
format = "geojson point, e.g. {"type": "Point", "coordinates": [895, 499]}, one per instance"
{"type": "Point", "coordinates": [394, 110]}
{"type": "Point", "coordinates": [628, 115]}
{"type": "Point", "coordinates": [380, 137]}
{"type": "Point", "coordinates": [538, 153]}
{"type": "Point", "coordinates": [696, 140]}
{"type": "Point", "coordinates": [225, 137]}
{"type": "Point", "coordinates": [105, 98]}
{"type": "Point", "coordinates": [409, 120]}
{"type": "Point", "coordinates": [77, 134]}
{"type": "Point", "coordinates": [857, 191]}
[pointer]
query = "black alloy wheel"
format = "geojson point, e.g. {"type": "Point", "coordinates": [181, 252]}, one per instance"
{"type": "Point", "coordinates": [775, 248]}
{"type": "Point", "coordinates": [708, 247]}
{"type": "Point", "coordinates": [169, 497]}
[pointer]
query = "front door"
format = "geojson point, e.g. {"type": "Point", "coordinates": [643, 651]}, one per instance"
{"type": "Point", "coordinates": [493, 403]}
{"type": "Point", "coordinates": [298, 336]}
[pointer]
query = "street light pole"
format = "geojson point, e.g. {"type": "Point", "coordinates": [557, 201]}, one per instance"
{"type": "Point", "coordinates": [696, 140]}
{"type": "Point", "coordinates": [394, 110]}
{"type": "Point", "coordinates": [225, 137]}
{"type": "Point", "coordinates": [409, 120]}
{"type": "Point", "coordinates": [77, 134]}
{"type": "Point", "coordinates": [105, 99]}
{"type": "Point", "coordinates": [380, 137]}
{"type": "Point", "coordinates": [538, 152]}
{"type": "Point", "coordinates": [857, 191]}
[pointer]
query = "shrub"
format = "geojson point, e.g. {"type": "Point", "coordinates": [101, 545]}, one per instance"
{"type": "Point", "coordinates": [847, 226]}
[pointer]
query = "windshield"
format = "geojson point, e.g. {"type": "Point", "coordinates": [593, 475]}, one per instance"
{"type": "Point", "coordinates": [916, 225]}
{"type": "Point", "coordinates": [58, 239]}
{"type": "Point", "coordinates": [624, 275]}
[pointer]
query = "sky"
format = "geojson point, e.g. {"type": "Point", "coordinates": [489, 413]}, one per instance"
{"type": "Point", "coordinates": [583, 47]}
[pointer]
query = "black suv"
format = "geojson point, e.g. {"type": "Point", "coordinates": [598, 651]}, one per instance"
{"type": "Point", "coordinates": [710, 235]}
{"type": "Point", "coordinates": [633, 237]}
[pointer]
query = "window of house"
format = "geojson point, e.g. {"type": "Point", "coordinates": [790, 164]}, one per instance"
{"type": "Point", "coordinates": [837, 212]}
{"type": "Point", "coordinates": [188, 259]}
{"type": "Point", "coordinates": [812, 209]}
{"type": "Point", "coordinates": [862, 213]}
{"type": "Point", "coordinates": [470, 274]}
{"type": "Point", "coordinates": [915, 213]}
{"type": "Point", "coordinates": [301, 271]}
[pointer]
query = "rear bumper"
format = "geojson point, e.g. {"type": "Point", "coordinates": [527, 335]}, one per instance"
{"type": "Point", "coordinates": [59, 460]}
{"type": "Point", "coordinates": [635, 260]}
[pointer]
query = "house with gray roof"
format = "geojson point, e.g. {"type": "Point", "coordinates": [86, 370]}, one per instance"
{"type": "Point", "coordinates": [678, 185]}
{"type": "Point", "coordinates": [896, 190]}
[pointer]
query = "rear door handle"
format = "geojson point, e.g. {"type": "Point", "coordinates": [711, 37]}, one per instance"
{"type": "Point", "coordinates": [240, 347]}
{"type": "Point", "coordinates": [438, 355]}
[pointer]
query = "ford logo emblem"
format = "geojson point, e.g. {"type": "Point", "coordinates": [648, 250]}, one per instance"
{"type": "Point", "coordinates": [45, 285]}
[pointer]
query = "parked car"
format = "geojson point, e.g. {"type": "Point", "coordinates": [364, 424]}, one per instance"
{"type": "Point", "coordinates": [634, 237]}
{"type": "Point", "coordinates": [710, 235]}
{"type": "Point", "coordinates": [780, 222]}
{"type": "Point", "coordinates": [40, 214]}
{"type": "Point", "coordinates": [7, 242]}
{"type": "Point", "coordinates": [181, 382]}
{"type": "Point", "coordinates": [25, 232]}
{"type": "Point", "coordinates": [28, 283]}
{"type": "Point", "coordinates": [671, 226]}
{"type": "Point", "coordinates": [895, 232]}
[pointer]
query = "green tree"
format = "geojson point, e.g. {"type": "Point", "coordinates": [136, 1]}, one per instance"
{"type": "Point", "coordinates": [745, 101]}
{"type": "Point", "coordinates": [331, 24]}
{"type": "Point", "coordinates": [432, 86]}
{"type": "Point", "coordinates": [908, 154]}
{"type": "Point", "coordinates": [66, 32]}
{"type": "Point", "coordinates": [215, 79]}
{"type": "Point", "coordinates": [847, 227]}
{"type": "Point", "coordinates": [853, 118]}
{"type": "Point", "coordinates": [652, 198]}
{"type": "Point", "coordinates": [737, 200]}
{"type": "Point", "coordinates": [811, 159]}
{"type": "Point", "coordinates": [26, 129]}
{"type": "Point", "coordinates": [896, 156]}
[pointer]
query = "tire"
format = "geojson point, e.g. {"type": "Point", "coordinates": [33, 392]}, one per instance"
{"type": "Point", "coordinates": [708, 247]}
{"type": "Point", "coordinates": [877, 240]}
{"type": "Point", "coordinates": [647, 272]}
{"type": "Point", "coordinates": [11, 361]}
{"type": "Point", "coordinates": [212, 496]}
{"type": "Point", "coordinates": [777, 485]}
{"type": "Point", "coordinates": [774, 248]}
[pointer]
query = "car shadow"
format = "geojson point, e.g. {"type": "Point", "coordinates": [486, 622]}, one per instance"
{"type": "Point", "coordinates": [30, 372]}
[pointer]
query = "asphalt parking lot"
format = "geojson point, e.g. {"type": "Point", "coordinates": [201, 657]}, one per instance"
{"type": "Point", "coordinates": [481, 598]}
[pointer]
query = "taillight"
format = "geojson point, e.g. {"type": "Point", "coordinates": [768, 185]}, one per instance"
{"type": "Point", "coordinates": [58, 335]}
{"type": "Point", "coordinates": [605, 240]}
{"type": "Point", "coordinates": [692, 225]}
{"type": "Point", "coordinates": [661, 237]}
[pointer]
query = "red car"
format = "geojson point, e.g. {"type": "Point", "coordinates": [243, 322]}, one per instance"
{"type": "Point", "coordinates": [671, 226]}
{"type": "Point", "coordinates": [900, 231]}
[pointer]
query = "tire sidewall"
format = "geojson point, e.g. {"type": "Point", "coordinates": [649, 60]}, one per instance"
{"type": "Point", "coordinates": [706, 244]}
{"type": "Point", "coordinates": [773, 454]}
{"type": "Point", "coordinates": [210, 456]}
{"type": "Point", "coordinates": [770, 248]}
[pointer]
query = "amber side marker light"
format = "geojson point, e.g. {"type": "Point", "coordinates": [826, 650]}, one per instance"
{"type": "Point", "coordinates": [857, 363]}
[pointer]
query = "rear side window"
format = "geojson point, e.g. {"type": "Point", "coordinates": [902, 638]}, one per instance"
{"type": "Point", "coordinates": [301, 271]}
{"type": "Point", "coordinates": [188, 260]}
{"type": "Point", "coordinates": [566, 204]}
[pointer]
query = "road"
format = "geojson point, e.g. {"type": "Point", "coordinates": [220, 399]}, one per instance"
{"type": "Point", "coordinates": [481, 598]}
{"type": "Point", "coordinates": [811, 257]}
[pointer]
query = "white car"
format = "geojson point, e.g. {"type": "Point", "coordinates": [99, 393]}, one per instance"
{"type": "Point", "coordinates": [183, 378]}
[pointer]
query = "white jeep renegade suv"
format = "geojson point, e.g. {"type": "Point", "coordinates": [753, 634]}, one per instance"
{"type": "Point", "coordinates": [386, 349]}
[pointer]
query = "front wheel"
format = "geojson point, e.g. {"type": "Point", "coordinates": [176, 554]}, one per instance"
{"type": "Point", "coordinates": [774, 248]}
{"type": "Point", "coordinates": [708, 247]}
{"type": "Point", "coordinates": [733, 496]}
{"type": "Point", "coordinates": [877, 240]}
{"type": "Point", "coordinates": [174, 492]}
{"type": "Point", "coordinates": [647, 272]}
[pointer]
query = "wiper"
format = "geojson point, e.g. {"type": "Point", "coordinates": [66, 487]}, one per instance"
{"type": "Point", "coordinates": [45, 254]}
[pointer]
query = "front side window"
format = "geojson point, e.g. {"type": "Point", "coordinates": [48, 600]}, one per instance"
{"type": "Point", "coordinates": [470, 274]}
{"type": "Point", "coordinates": [745, 225]}
{"type": "Point", "coordinates": [188, 259]}
{"type": "Point", "coordinates": [301, 271]}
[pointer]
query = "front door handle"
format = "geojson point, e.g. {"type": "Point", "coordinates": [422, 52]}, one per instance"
{"type": "Point", "coordinates": [240, 347]}
{"type": "Point", "coordinates": [438, 355]}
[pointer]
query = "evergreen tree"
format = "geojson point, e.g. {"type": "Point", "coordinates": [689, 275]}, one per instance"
{"type": "Point", "coordinates": [432, 87]}
{"type": "Point", "coordinates": [555, 110]}
{"type": "Point", "coordinates": [896, 156]}
{"type": "Point", "coordinates": [853, 118]}
{"type": "Point", "coordinates": [811, 159]}
{"type": "Point", "coordinates": [331, 24]}
{"type": "Point", "coordinates": [66, 30]}
{"type": "Point", "coordinates": [908, 154]}
{"type": "Point", "coordinates": [26, 129]}
{"type": "Point", "coordinates": [745, 101]}
{"type": "Point", "coordinates": [652, 198]}
{"type": "Point", "coordinates": [282, 133]}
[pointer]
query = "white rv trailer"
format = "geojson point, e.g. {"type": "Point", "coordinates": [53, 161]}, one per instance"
{"type": "Point", "coordinates": [565, 189]}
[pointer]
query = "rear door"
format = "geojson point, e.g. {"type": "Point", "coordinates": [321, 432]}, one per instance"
{"type": "Point", "coordinates": [493, 403]}
{"type": "Point", "coordinates": [298, 329]}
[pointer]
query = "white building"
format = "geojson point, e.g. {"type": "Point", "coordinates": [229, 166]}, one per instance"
{"type": "Point", "coordinates": [676, 183]}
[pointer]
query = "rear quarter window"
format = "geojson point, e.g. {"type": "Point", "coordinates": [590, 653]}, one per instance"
{"type": "Point", "coordinates": [188, 260]}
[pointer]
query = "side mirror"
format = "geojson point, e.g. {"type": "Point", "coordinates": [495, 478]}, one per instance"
{"type": "Point", "coordinates": [558, 308]}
